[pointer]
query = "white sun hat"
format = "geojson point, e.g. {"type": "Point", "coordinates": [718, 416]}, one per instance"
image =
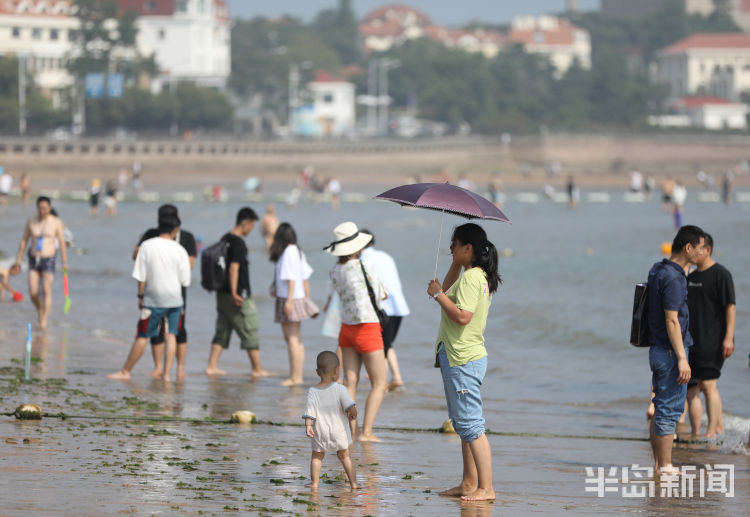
{"type": "Point", "coordinates": [347, 240]}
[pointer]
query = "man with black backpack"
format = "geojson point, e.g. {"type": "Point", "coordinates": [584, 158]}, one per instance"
{"type": "Point", "coordinates": [668, 320]}
{"type": "Point", "coordinates": [234, 306]}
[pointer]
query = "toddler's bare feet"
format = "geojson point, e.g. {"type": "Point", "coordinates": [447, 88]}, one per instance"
{"type": "Point", "coordinates": [480, 494]}
{"type": "Point", "coordinates": [215, 371]}
{"type": "Point", "coordinates": [122, 375]}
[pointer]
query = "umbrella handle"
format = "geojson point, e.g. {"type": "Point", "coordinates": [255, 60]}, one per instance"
{"type": "Point", "coordinates": [440, 238]}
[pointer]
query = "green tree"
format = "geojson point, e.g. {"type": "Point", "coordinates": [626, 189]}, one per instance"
{"type": "Point", "coordinates": [339, 30]}
{"type": "Point", "coordinates": [40, 114]}
{"type": "Point", "coordinates": [102, 32]}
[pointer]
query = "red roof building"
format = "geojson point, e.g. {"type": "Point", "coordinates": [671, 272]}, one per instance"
{"type": "Point", "coordinates": [707, 64]}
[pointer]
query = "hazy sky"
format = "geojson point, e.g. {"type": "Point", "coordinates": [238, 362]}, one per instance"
{"type": "Point", "coordinates": [444, 12]}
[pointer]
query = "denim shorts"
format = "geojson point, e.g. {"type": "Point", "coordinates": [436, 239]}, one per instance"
{"type": "Point", "coordinates": [669, 395]}
{"type": "Point", "coordinates": [461, 384]}
{"type": "Point", "coordinates": [151, 318]}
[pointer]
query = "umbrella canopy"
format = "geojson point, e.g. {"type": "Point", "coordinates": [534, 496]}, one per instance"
{"type": "Point", "coordinates": [444, 197]}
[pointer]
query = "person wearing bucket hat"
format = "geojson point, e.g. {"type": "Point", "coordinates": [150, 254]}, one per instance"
{"type": "Point", "coordinates": [360, 338]}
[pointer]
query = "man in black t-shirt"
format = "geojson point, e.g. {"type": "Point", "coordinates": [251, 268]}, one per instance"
{"type": "Point", "coordinates": [712, 318]}
{"type": "Point", "coordinates": [234, 306]}
{"type": "Point", "coordinates": [187, 241]}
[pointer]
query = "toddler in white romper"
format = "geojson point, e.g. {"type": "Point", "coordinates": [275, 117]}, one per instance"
{"type": "Point", "coordinates": [329, 407]}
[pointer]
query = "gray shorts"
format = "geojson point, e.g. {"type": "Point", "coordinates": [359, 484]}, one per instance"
{"type": "Point", "coordinates": [243, 320]}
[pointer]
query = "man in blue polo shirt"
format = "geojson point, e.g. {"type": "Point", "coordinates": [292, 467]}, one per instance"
{"type": "Point", "coordinates": [668, 320]}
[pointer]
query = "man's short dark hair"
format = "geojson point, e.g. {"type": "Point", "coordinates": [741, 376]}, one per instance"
{"type": "Point", "coordinates": [687, 235]}
{"type": "Point", "coordinates": [709, 241]}
{"type": "Point", "coordinates": [246, 214]}
{"type": "Point", "coordinates": [167, 209]}
{"type": "Point", "coordinates": [368, 232]}
{"type": "Point", "coordinates": [43, 199]}
{"type": "Point", "coordinates": [168, 223]}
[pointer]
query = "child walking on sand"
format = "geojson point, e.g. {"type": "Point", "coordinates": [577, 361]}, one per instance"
{"type": "Point", "coordinates": [328, 408]}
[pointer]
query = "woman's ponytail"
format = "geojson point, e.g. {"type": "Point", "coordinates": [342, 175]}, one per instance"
{"type": "Point", "coordinates": [485, 253]}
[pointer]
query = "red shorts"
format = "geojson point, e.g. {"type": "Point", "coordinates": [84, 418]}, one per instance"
{"type": "Point", "coordinates": [364, 338]}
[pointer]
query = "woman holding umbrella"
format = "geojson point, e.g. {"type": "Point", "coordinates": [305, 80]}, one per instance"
{"type": "Point", "coordinates": [460, 352]}
{"type": "Point", "coordinates": [360, 338]}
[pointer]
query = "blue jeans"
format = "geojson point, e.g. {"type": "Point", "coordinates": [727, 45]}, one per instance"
{"type": "Point", "coordinates": [669, 395]}
{"type": "Point", "coordinates": [461, 384]}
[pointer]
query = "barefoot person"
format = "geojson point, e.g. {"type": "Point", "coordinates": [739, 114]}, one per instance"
{"type": "Point", "coordinates": [291, 288]}
{"type": "Point", "coordinates": [713, 314]}
{"type": "Point", "coordinates": [161, 268]}
{"type": "Point", "coordinates": [395, 306]}
{"type": "Point", "coordinates": [40, 235]}
{"type": "Point", "coordinates": [670, 340]}
{"type": "Point", "coordinates": [361, 336]}
{"type": "Point", "coordinates": [234, 306]}
{"type": "Point", "coordinates": [269, 223]}
{"type": "Point", "coordinates": [187, 241]}
{"type": "Point", "coordinates": [328, 408]}
{"type": "Point", "coordinates": [460, 353]}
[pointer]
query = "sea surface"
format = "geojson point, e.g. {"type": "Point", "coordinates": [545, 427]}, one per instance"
{"type": "Point", "coordinates": [564, 390]}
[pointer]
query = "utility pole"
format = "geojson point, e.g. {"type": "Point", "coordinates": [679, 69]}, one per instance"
{"type": "Point", "coordinates": [383, 99]}
{"type": "Point", "coordinates": [293, 87]}
{"type": "Point", "coordinates": [22, 95]}
{"type": "Point", "coordinates": [372, 87]}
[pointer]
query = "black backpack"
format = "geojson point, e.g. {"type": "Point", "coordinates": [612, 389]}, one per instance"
{"type": "Point", "coordinates": [214, 264]}
{"type": "Point", "coordinates": [639, 323]}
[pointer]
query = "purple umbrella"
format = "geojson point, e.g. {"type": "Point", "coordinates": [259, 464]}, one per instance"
{"type": "Point", "coordinates": [444, 198]}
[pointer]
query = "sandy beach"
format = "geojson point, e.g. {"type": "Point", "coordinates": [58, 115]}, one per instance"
{"type": "Point", "coordinates": [564, 390]}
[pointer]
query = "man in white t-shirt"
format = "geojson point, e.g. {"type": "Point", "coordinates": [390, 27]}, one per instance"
{"type": "Point", "coordinates": [162, 268]}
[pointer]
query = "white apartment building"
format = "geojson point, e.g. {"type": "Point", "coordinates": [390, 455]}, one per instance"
{"type": "Point", "coordinates": [557, 39]}
{"type": "Point", "coordinates": [707, 64]}
{"type": "Point", "coordinates": [189, 39]}
{"type": "Point", "coordinates": [42, 33]}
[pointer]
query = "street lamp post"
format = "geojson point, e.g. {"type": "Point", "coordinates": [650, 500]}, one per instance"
{"type": "Point", "coordinates": [293, 100]}
{"type": "Point", "coordinates": [22, 94]}
{"type": "Point", "coordinates": [294, 78]}
{"type": "Point", "coordinates": [383, 99]}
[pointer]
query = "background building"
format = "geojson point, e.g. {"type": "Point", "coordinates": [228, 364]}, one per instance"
{"type": "Point", "coordinates": [42, 33]}
{"type": "Point", "coordinates": [332, 110]}
{"type": "Point", "coordinates": [707, 64]}
{"type": "Point", "coordinates": [189, 39]}
{"type": "Point", "coordinates": [556, 38]}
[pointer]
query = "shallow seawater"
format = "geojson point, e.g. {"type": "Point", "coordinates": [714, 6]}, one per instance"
{"type": "Point", "coordinates": [561, 375]}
